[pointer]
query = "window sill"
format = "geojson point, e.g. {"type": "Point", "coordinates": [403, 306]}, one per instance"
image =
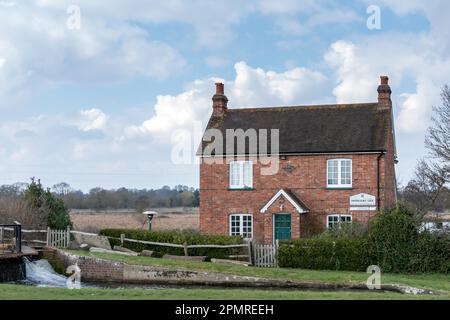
{"type": "Point", "coordinates": [339, 188]}
{"type": "Point", "coordinates": [241, 189]}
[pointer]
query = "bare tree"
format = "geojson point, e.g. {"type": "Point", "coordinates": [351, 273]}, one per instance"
{"type": "Point", "coordinates": [432, 176]}
{"type": "Point", "coordinates": [438, 137]}
{"type": "Point", "coordinates": [62, 189]}
{"type": "Point", "coordinates": [14, 208]}
{"type": "Point", "coordinates": [428, 182]}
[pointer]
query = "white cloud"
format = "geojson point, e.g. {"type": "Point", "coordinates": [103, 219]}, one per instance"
{"type": "Point", "coordinates": [91, 119]}
{"type": "Point", "coordinates": [37, 49]}
{"type": "Point", "coordinates": [415, 107]}
{"type": "Point", "coordinates": [251, 87]}
{"type": "Point", "coordinates": [402, 57]}
{"type": "Point", "coordinates": [300, 17]}
{"type": "Point", "coordinates": [257, 87]}
{"type": "Point", "coordinates": [174, 112]}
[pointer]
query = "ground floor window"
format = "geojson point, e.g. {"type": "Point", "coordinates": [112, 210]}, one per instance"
{"type": "Point", "coordinates": [335, 220]}
{"type": "Point", "coordinates": [241, 225]}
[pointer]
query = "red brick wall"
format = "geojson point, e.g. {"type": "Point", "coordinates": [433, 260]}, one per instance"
{"type": "Point", "coordinates": [307, 180]}
{"type": "Point", "coordinates": [390, 181]}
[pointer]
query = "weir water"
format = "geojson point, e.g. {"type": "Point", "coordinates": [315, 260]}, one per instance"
{"type": "Point", "coordinates": [41, 273]}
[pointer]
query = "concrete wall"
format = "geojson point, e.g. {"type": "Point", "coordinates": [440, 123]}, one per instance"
{"type": "Point", "coordinates": [100, 270]}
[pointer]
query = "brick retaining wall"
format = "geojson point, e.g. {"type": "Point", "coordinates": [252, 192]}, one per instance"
{"type": "Point", "coordinates": [12, 270]}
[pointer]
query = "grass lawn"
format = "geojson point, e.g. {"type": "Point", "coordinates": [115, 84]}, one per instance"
{"type": "Point", "coordinates": [437, 282]}
{"type": "Point", "coordinates": [22, 292]}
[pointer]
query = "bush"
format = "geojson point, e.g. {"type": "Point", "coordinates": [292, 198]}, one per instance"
{"type": "Point", "coordinates": [176, 237]}
{"type": "Point", "coordinates": [325, 254]}
{"type": "Point", "coordinates": [432, 253]}
{"type": "Point", "coordinates": [394, 243]}
{"type": "Point", "coordinates": [44, 205]}
{"type": "Point", "coordinates": [394, 233]}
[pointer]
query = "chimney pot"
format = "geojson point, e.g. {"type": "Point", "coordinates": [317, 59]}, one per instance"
{"type": "Point", "coordinates": [384, 93]}
{"type": "Point", "coordinates": [219, 101]}
{"type": "Point", "coordinates": [219, 88]}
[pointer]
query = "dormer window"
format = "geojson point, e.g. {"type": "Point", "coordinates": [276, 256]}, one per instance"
{"type": "Point", "coordinates": [241, 174]}
{"type": "Point", "coordinates": [339, 173]}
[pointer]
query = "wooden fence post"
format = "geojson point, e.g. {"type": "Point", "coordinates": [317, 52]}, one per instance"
{"type": "Point", "coordinates": [185, 248]}
{"type": "Point", "coordinates": [122, 238]}
{"type": "Point", "coordinates": [277, 245]}
{"type": "Point", "coordinates": [250, 253]}
{"type": "Point", "coordinates": [48, 237]}
{"type": "Point", "coordinates": [68, 237]}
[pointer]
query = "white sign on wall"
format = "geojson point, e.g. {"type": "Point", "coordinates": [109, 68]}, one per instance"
{"type": "Point", "coordinates": [363, 202]}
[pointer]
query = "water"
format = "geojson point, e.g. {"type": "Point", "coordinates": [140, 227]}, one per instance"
{"type": "Point", "coordinates": [40, 273]}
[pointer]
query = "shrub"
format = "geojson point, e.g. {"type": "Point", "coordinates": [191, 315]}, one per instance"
{"type": "Point", "coordinates": [325, 254]}
{"type": "Point", "coordinates": [394, 243]}
{"type": "Point", "coordinates": [176, 237]}
{"type": "Point", "coordinates": [432, 253]}
{"type": "Point", "coordinates": [44, 205]}
{"type": "Point", "coordinates": [394, 233]}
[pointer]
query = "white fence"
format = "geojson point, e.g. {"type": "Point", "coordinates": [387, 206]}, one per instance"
{"type": "Point", "coordinates": [266, 255]}
{"type": "Point", "coordinates": [58, 238]}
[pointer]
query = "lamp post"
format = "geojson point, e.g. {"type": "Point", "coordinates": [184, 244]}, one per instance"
{"type": "Point", "coordinates": [150, 215]}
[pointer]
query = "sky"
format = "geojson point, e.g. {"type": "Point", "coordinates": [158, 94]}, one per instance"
{"type": "Point", "coordinates": [97, 93]}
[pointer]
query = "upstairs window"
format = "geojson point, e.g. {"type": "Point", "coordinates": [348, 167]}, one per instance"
{"type": "Point", "coordinates": [241, 225]}
{"type": "Point", "coordinates": [241, 174]}
{"type": "Point", "coordinates": [339, 173]}
{"type": "Point", "coordinates": [335, 220]}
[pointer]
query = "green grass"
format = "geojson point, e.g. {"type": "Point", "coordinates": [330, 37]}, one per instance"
{"type": "Point", "coordinates": [22, 292]}
{"type": "Point", "coordinates": [437, 282]}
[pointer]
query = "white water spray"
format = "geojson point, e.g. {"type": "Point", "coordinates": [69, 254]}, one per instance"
{"type": "Point", "coordinates": [42, 274]}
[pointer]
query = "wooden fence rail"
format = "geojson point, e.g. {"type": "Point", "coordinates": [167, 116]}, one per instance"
{"type": "Point", "coordinates": [61, 238]}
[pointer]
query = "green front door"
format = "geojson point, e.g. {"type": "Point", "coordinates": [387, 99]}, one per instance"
{"type": "Point", "coordinates": [282, 227]}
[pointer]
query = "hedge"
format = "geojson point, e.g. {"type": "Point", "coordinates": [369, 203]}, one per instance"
{"type": "Point", "coordinates": [430, 253]}
{"type": "Point", "coordinates": [175, 237]}
{"type": "Point", "coordinates": [325, 254]}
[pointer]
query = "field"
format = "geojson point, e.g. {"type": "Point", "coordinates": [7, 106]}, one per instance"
{"type": "Point", "coordinates": [167, 219]}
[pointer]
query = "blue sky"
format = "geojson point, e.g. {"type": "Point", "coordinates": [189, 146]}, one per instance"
{"type": "Point", "coordinates": [99, 105]}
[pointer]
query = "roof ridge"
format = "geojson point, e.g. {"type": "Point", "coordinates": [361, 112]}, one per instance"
{"type": "Point", "coordinates": [306, 107]}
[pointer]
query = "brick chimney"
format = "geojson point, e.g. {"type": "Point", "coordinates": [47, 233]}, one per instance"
{"type": "Point", "coordinates": [220, 101]}
{"type": "Point", "coordinates": [384, 93]}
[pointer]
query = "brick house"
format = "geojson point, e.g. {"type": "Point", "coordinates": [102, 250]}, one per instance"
{"type": "Point", "coordinates": [335, 163]}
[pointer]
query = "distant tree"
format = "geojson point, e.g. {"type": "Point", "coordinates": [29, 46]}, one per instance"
{"type": "Point", "coordinates": [43, 204]}
{"type": "Point", "coordinates": [141, 203]}
{"type": "Point", "coordinates": [185, 198]}
{"type": "Point", "coordinates": [62, 189]}
{"type": "Point", "coordinates": [196, 201]}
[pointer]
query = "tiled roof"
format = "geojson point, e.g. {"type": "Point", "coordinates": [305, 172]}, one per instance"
{"type": "Point", "coordinates": [313, 129]}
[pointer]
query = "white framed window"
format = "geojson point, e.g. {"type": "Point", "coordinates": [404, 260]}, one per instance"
{"type": "Point", "coordinates": [339, 173]}
{"type": "Point", "coordinates": [241, 174]}
{"type": "Point", "coordinates": [335, 220]}
{"type": "Point", "coordinates": [241, 225]}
